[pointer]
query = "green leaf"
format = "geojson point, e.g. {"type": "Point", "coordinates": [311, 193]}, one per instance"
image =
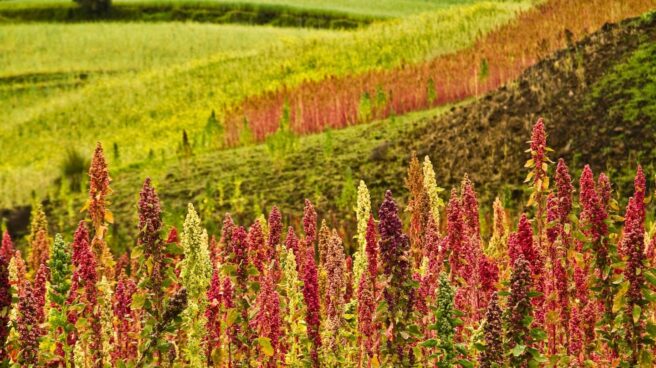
{"type": "Point", "coordinates": [651, 329]}
{"type": "Point", "coordinates": [81, 323]}
{"type": "Point", "coordinates": [138, 301]}
{"type": "Point", "coordinates": [465, 363]}
{"type": "Point", "coordinates": [618, 265]}
{"type": "Point", "coordinates": [173, 249]}
{"type": "Point", "coordinates": [534, 294]}
{"type": "Point", "coordinates": [265, 345]}
{"type": "Point", "coordinates": [538, 334]}
{"type": "Point", "coordinates": [431, 343]}
{"type": "Point", "coordinates": [618, 279]}
{"type": "Point", "coordinates": [231, 317]}
{"type": "Point", "coordinates": [650, 277]}
{"type": "Point", "coordinates": [618, 300]}
{"type": "Point", "coordinates": [579, 236]}
{"type": "Point", "coordinates": [229, 269]}
{"type": "Point", "coordinates": [649, 296]}
{"type": "Point", "coordinates": [252, 271]}
{"type": "Point", "coordinates": [636, 313]}
{"type": "Point", "coordinates": [413, 284]}
{"type": "Point", "coordinates": [534, 363]}
{"type": "Point", "coordinates": [646, 359]}
{"type": "Point", "coordinates": [518, 350]}
{"type": "Point", "coordinates": [535, 354]}
{"type": "Point", "coordinates": [414, 329]}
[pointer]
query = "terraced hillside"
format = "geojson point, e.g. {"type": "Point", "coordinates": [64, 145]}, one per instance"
{"type": "Point", "coordinates": [575, 90]}
{"type": "Point", "coordinates": [308, 13]}
{"type": "Point", "coordinates": [146, 112]}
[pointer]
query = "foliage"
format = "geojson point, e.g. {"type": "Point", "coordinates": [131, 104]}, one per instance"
{"type": "Point", "coordinates": [493, 353]}
{"type": "Point", "coordinates": [362, 215]}
{"type": "Point", "coordinates": [294, 329]}
{"type": "Point", "coordinates": [195, 274]}
{"type": "Point", "coordinates": [445, 326]}
{"type": "Point", "coordinates": [394, 248]}
{"type": "Point", "coordinates": [56, 341]}
{"type": "Point", "coordinates": [38, 239]}
{"type": "Point", "coordinates": [634, 80]}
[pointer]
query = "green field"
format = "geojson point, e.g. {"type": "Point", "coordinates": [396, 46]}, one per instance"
{"type": "Point", "coordinates": [378, 8]}
{"type": "Point", "coordinates": [110, 47]}
{"type": "Point", "coordinates": [145, 112]}
{"type": "Point", "coordinates": [617, 106]}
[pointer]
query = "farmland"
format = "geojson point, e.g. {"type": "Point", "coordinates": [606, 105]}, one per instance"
{"type": "Point", "coordinates": [153, 109]}
{"type": "Point", "coordinates": [328, 184]}
{"type": "Point", "coordinates": [111, 47]}
{"type": "Point", "coordinates": [383, 9]}
{"type": "Point", "coordinates": [70, 57]}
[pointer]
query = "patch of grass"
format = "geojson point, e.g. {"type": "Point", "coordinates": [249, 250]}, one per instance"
{"type": "Point", "coordinates": [40, 64]}
{"type": "Point", "coordinates": [379, 8]}
{"type": "Point", "coordinates": [626, 97]}
{"type": "Point", "coordinates": [629, 90]}
{"type": "Point", "coordinates": [109, 47]}
{"type": "Point", "coordinates": [146, 112]}
{"type": "Point", "coordinates": [329, 165]}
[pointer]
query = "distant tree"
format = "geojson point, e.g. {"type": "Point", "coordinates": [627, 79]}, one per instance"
{"type": "Point", "coordinates": [184, 149]}
{"type": "Point", "coordinates": [73, 169]}
{"type": "Point", "coordinates": [213, 132]}
{"type": "Point", "coordinates": [95, 6]}
{"type": "Point", "coordinates": [117, 154]}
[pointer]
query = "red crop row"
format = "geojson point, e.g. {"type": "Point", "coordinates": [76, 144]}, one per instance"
{"type": "Point", "coordinates": [497, 58]}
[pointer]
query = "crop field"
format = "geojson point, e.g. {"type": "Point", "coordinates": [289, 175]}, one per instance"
{"type": "Point", "coordinates": [573, 283]}
{"type": "Point", "coordinates": [41, 60]}
{"type": "Point", "coordinates": [327, 183]}
{"type": "Point", "coordinates": [495, 59]}
{"type": "Point", "coordinates": [148, 112]}
{"type": "Point", "coordinates": [111, 47]}
{"type": "Point", "coordinates": [381, 9]}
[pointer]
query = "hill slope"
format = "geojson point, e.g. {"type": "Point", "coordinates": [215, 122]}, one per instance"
{"type": "Point", "coordinates": [148, 111]}
{"type": "Point", "coordinates": [577, 90]}
{"type": "Point", "coordinates": [573, 90]}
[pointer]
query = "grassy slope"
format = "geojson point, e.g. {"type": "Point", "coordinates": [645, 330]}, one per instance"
{"type": "Point", "coordinates": [381, 8]}
{"type": "Point", "coordinates": [39, 62]}
{"type": "Point", "coordinates": [485, 139]}
{"type": "Point", "coordinates": [109, 47]}
{"type": "Point", "coordinates": [147, 112]}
